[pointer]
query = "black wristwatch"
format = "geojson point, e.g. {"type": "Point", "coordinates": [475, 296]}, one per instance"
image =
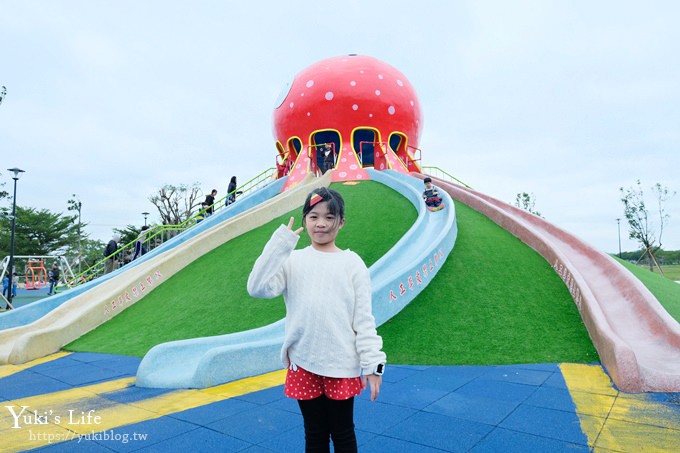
{"type": "Point", "coordinates": [379, 369]}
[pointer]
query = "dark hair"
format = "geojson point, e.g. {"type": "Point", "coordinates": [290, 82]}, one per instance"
{"type": "Point", "coordinates": [336, 205]}
{"type": "Point", "coordinates": [428, 179]}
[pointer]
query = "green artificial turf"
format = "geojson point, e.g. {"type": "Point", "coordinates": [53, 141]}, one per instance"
{"type": "Point", "coordinates": [494, 301]}
{"type": "Point", "coordinates": [666, 291]}
{"type": "Point", "coordinates": [209, 296]}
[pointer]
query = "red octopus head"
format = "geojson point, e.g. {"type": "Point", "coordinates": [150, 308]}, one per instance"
{"type": "Point", "coordinates": [352, 102]}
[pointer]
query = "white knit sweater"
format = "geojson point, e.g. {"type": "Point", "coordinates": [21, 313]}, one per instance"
{"type": "Point", "coordinates": [330, 329]}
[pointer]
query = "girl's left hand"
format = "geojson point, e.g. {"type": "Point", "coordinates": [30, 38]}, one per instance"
{"type": "Point", "coordinates": [375, 382]}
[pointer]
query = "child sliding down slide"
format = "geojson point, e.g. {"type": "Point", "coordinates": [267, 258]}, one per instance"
{"type": "Point", "coordinates": [431, 196]}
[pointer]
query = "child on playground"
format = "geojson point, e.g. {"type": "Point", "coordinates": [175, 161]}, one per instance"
{"type": "Point", "coordinates": [140, 248]}
{"type": "Point", "coordinates": [231, 191]}
{"type": "Point", "coordinates": [201, 213]}
{"type": "Point", "coordinates": [6, 290]}
{"type": "Point", "coordinates": [54, 279]}
{"type": "Point", "coordinates": [15, 284]}
{"type": "Point", "coordinates": [431, 194]}
{"type": "Point", "coordinates": [5, 286]}
{"type": "Point", "coordinates": [331, 347]}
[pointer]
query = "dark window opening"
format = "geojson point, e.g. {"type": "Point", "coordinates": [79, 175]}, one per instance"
{"type": "Point", "coordinates": [363, 142]}
{"type": "Point", "coordinates": [396, 142]}
{"type": "Point", "coordinates": [322, 138]}
{"type": "Point", "coordinates": [295, 144]}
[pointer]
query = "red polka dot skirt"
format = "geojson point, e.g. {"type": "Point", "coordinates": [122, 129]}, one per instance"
{"type": "Point", "coordinates": [303, 385]}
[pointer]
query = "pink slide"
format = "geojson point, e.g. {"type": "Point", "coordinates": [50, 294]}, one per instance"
{"type": "Point", "coordinates": [637, 340]}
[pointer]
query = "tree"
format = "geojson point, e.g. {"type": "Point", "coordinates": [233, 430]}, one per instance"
{"type": "Point", "coordinates": [38, 232]}
{"type": "Point", "coordinates": [641, 221]}
{"type": "Point", "coordinates": [527, 202]}
{"type": "Point", "coordinates": [3, 193]}
{"type": "Point", "coordinates": [74, 204]}
{"type": "Point", "coordinates": [175, 204]}
{"type": "Point", "coordinates": [91, 252]}
{"type": "Point", "coordinates": [129, 234]}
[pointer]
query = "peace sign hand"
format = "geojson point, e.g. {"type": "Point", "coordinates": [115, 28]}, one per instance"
{"type": "Point", "coordinates": [290, 227]}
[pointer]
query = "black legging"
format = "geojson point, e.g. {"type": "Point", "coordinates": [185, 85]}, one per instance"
{"type": "Point", "coordinates": [326, 418]}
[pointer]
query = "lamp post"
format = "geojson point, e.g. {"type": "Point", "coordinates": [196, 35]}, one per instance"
{"type": "Point", "coordinates": [79, 205]}
{"type": "Point", "coordinates": [618, 224]}
{"type": "Point", "coordinates": [17, 173]}
{"type": "Point", "coordinates": [145, 214]}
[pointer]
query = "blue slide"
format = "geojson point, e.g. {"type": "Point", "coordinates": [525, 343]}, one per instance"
{"type": "Point", "coordinates": [397, 278]}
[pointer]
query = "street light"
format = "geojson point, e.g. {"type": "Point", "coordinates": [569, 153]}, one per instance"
{"type": "Point", "coordinates": [17, 173]}
{"type": "Point", "coordinates": [79, 206]}
{"type": "Point", "coordinates": [145, 214]}
{"type": "Point", "coordinates": [618, 224]}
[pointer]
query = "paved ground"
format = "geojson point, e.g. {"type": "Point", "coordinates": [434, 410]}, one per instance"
{"type": "Point", "coordinates": [26, 296]}
{"type": "Point", "coordinates": [88, 402]}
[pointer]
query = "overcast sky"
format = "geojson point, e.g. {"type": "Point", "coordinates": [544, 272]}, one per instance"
{"type": "Point", "coordinates": [568, 100]}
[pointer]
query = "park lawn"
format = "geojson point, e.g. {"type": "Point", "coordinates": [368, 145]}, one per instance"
{"type": "Point", "coordinates": [209, 296]}
{"type": "Point", "coordinates": [665, 290]}
{"type": "Point", "coordinates": [671, 271]}
{"type": "Point", "coordinates": [494, 301]}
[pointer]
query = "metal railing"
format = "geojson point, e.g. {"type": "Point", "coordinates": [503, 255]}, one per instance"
{"type": "Point", "coordinates": [410, 157]}
{"type": "Point", "coordinates": [382, 145]}
{"type": "Point", "coordinates": [413, 159]}
{"type": "Point", "coordinates": [284, 166]}
{"type": "Point", "coordinates": [442, 174]}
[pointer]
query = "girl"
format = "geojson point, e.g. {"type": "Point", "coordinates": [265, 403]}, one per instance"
{"type": "Point", "coordinates": [330, 335]}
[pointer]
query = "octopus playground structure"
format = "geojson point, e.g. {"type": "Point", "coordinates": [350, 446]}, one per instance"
{"type": "Point", "coordinates": [345, 120]}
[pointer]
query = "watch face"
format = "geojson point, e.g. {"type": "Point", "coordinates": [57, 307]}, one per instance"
{"type": "Point", "coordinates": [379, 369]}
